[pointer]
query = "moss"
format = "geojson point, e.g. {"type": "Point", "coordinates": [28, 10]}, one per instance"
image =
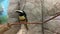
{"type": "Point", "coordinates": [3, 19]}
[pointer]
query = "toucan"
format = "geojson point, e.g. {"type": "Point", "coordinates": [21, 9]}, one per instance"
{"type": "Point", "coordinates": [22, 17]}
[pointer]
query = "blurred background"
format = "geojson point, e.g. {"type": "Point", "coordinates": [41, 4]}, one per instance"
{"type": "Point", "coordinates": [33, 9]}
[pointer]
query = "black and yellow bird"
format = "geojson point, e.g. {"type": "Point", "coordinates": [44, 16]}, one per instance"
{"type": "Point", "coordinates": [22, 17]}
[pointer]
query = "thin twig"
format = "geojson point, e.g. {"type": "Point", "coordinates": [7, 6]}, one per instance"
{"type": "Point", "coordinates": [42, 9]}
{"type": "Point", "coordinates": [57, 14]}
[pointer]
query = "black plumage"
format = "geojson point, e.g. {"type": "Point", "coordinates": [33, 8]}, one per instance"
{"type": "Point", "coordinates": [22, 13]}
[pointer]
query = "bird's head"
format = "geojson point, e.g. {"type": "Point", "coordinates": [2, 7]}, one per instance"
{"type": "Point", "coordinates": [19, 11]}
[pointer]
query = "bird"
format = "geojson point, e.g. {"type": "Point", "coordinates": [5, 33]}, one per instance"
{"type": "Point", "coordinates": [22, 17]}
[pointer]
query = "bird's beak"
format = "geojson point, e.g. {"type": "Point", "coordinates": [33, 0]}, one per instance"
{"type": "Point", "coordinates": [17, 11]}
